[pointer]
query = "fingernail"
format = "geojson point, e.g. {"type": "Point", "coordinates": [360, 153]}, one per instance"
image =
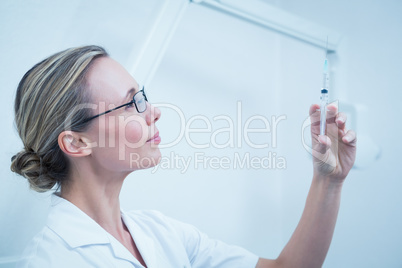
{"type": "Point", "coordinates": [341, 120]}
{"type": "Point", "coordinates": [347, 138]}
{"type": "Point", "coordinates": [332, 108]}
{"type": "Point", "coordinates": [321, 139]}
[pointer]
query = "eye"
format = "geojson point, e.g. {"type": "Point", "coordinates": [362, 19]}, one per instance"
{"type": "Point", "coordinates": [130, 105]}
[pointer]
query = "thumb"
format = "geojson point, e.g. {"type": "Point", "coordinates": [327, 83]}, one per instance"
{"type": "Point", "coordinates": [324, 143]}
{"type": "Point", "coordinates": [321, 151]}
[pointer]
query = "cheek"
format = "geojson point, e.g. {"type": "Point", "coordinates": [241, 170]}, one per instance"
{"type": "Point", "coordinates": [135, 132]}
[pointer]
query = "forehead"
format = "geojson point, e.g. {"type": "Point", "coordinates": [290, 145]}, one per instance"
{"type": "Point", "coordinates": [109, 82]}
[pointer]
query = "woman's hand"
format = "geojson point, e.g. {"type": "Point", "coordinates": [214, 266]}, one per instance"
{"type": "Point", "coordinates": [333, 157]}
{"type": "Point", "coordinates": [334, 153]}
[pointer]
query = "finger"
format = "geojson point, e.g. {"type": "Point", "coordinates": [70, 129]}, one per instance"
{"type": "Point", "coordinates": [341, 120]}
{"type": "Point", "coordinates": [332, 110]}
{"type": "Point", "coordinates": [325, 143]}
{"type": "Point", "coordinates": [332, 128]}
{"type": "Point", "coordinates": [315, 119]}
{"type": "Point", "coordinates": [350, 137]}
{"type": "Point", "coordinates": [321, 150]}
{"type": "Point", "coordinates": [313, 109]}
{"type": "Point", "coordinates": [341, 123]}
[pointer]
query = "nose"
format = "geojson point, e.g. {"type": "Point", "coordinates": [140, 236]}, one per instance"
{"type": "Point", "coordinates": [153, 114]}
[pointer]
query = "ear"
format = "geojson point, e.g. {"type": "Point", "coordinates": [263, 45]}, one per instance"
{"type": "Point", "coordinates": [74, 145]}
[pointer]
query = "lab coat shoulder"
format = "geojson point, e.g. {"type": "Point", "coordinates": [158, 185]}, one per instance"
{"type": "Point", "coordinates": [47, 249]}
{"type": "Point", "coordinates": [164, 227]}
{"type": "Point", "coordinates": [201, 250]}
{"type": "Point", "coordinates": [186, 234]}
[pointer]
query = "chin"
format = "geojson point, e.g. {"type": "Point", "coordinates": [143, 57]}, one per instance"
{"type": "Point", "coordinates": [157, 159]}
{"type": "Point", "coordinates": [144, 162]}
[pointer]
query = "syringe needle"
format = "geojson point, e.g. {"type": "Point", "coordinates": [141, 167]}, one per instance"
{"type": "Point", "coordinates": [324, 94]}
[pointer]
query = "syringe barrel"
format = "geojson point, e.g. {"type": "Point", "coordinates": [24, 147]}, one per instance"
{"type": "Point", "coordinates": [325, 80]}
{"type": "Point", "coordinates": [323, 108]}
{"type": "Point", "coordinates": [324, 95]}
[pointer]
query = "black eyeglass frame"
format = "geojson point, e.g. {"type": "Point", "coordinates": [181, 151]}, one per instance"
{"type": "Point", "coordinates": [118, 107]}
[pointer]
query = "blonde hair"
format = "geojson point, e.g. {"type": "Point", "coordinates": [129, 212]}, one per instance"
{"type": "Point", "coordinates": [44, 107]}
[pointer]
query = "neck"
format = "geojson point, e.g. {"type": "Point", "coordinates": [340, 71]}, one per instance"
{"type": "Point", "coordinates": [98, 196]}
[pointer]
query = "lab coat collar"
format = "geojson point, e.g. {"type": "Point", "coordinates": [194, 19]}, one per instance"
{"type": "Point", "coordinates": [78, 229]}
{"type": "Point", "coordinates": [74, 226]}
{"type": "Point", "coordinates": [146, 246]}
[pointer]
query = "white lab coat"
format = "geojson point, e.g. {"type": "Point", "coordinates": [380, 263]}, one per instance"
{"type": "Point", "coordinates": [73, 239]}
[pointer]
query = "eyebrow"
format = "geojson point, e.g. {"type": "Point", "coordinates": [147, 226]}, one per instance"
{"type": "Point", "coordinates": [129, 93]}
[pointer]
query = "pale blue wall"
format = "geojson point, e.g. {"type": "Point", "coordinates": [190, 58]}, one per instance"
{"type": "Point", "coordinates": [218, 60]}
{"type": "Point", "coordinates": [368, 232]}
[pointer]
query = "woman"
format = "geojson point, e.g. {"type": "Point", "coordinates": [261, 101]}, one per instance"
{"type": "Point", "coordinates": [81, 116]}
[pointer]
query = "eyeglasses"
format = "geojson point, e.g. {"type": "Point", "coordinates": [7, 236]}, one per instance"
{"type": "Point", "coordinates": [139, 100]}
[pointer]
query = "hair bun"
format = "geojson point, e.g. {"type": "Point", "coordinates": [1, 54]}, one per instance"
{"type": "Point", "coordinates": [28, 164]}
{"type": "Point", "coordinates": [64, 75]}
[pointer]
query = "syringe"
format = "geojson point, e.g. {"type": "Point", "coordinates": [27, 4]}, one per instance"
{"type": "Point", "coordinates": [324, 97]}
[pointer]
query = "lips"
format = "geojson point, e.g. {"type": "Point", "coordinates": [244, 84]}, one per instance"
{"type": "Point", "coordinates": [155, 138]}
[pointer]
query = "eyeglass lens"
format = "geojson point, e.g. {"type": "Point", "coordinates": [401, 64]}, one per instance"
{"type": "Point", "coordinates": [140, 101]}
